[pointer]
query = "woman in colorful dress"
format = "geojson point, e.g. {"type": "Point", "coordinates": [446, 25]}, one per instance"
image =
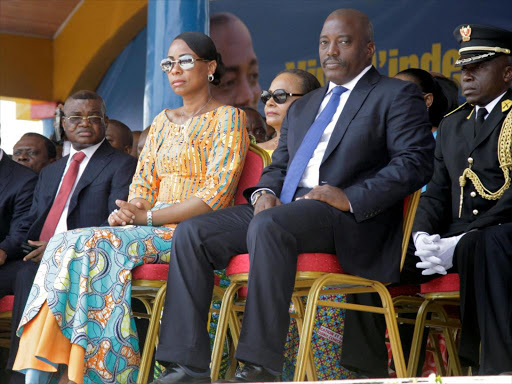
{"type": "Point", "coordinates": [78, 320]}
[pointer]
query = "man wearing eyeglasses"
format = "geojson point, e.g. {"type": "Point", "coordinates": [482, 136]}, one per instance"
{"type": "Point", "coordinates": [76, 191]}
{"type": "Point", "coordinates": [34, 151]}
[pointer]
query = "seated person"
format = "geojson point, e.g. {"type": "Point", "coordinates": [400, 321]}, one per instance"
{"type": "Point", "coordinates": [119, 136]}
{"type": "Point", "coordinates": [435, 99]}
{"type": "Point", "coordinates": [190, 164]}
{"type": "Point", "coordinates": [336, 185]}
{"type": "Point", "coordinates": [286, 87]}
{"type": "Point", "coordinates": [34, 151]}
{"type": "Point", "coordinates": [76, 191]}
{"type": "Point", "coordinates": [135, 136]}
{"type": "Point", "coordinates": [463, 220]}
{"type": "Point", "coordinates": [256, 125]}
{"type": "Point", "coordinates": [16, 189]}
{"type": "Point", "coordinates": [142, 140]}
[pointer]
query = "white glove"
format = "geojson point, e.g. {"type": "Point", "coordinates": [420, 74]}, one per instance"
{"type": "Point", "coordinates": [440, 260]}
{"type": "Point", "coordinates": [427, 247]}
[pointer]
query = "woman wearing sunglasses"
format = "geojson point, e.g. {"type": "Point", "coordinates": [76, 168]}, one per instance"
{"type": "Point", "coordinates": [190, 164]}
{"type": "Point", "coordinates": [287, 87]}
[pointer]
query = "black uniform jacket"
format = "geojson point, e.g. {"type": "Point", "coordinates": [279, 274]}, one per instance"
{"type": "Point", "coordinates": [456, 147]}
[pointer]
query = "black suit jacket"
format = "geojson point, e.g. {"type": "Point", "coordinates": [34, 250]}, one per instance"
{"type": "Point", "coordinates": [17, 184]}
{"type": "Point", "coordinates": [106, 178]}
{"type": "Point", "coordinates": [380, 151]}
{"type": "Point", "coordinates": [438, 211]}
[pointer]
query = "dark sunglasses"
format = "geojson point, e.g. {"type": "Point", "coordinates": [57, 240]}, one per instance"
{"type": "Point", "coordinates": [186, 62]}
{"type": "Point", "coordinates": [279, 96]}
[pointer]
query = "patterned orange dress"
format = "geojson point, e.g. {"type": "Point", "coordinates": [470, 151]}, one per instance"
{"type": "Point", "coordinates": [79, 311]}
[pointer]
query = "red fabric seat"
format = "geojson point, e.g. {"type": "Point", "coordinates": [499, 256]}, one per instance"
{"type": "Point", "coordinates": [307, 262]}
{"type": "Point", "coordinates": [151, 272]}
{"type": "Point", "coordinates": [6, 303]}
{"type": "Point", "coordinates": [446, 283]}
{"type": "Point", "coordinates": [404, 290]}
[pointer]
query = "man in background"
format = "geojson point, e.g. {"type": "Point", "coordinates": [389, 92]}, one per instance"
{"type": "Point", "coordinates": [34, 151]}
{"type": "Point", "coordinates": [119, 136]}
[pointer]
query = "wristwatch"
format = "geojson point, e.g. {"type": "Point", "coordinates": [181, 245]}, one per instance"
{"type": "Point", "coordinates": [149, 218]}
{"type": "Point", "coordinates": [256, 196]}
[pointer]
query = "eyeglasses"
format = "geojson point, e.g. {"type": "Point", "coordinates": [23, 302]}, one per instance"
{"type": "Point", "coordinates": [186, 62]}
{"type": "Point", "coordinates": [279, 95]}
{"type": "Point", "coordinates": [74, 120]}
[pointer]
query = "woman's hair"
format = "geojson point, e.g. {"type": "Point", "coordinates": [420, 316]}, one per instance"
{"type": "Point", "coordinates": [204, 47]}
{"type": "Point", "coordinates": [308, 81]}
{"type": "Point", "coordinates": [450, 90]}
{"type": "Point", "coordinates": [428, 84]}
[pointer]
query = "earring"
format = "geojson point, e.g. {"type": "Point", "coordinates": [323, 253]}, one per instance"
{"type": "Point", "coordinates": [210, 78]}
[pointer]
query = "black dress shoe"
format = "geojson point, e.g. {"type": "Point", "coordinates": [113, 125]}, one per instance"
{"type": "Point", "coordinates": [176, 374]}
{"type": "Point", "coordinates": [251, 373]}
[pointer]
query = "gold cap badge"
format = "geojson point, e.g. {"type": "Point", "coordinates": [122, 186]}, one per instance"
{"type": "Point", "coordinates": [465, 32]}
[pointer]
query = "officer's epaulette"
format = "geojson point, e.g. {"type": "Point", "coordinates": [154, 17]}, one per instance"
{"type": "Point", "coordinates": [456, 109]}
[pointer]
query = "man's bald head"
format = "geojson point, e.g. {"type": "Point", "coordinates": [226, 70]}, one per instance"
{"type": "Point", "coordinates": [356, 16]}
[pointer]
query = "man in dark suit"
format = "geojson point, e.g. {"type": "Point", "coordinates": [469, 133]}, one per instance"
{"type": "Point", "coordinates": [73, 193]}
{"type": "Point", "coordinates": [349, 154]}
{"type": "Point", "coordinates": [458, 226]}
{"type": "Point", "coordinates": [16, 188]}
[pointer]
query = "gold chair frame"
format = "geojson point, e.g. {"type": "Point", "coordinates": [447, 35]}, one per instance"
{"type": "Point", "coordinates": [349, 284]}
{"type": "Point", "coordinates": [431, 303]}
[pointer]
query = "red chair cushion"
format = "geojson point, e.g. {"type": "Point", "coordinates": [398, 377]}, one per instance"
{"type": "Point", "coordinates": [151, 272]}
{"type": "Point", "coordinates": [250, 176]}
{"type": "Point", "coordinates": [307, 262]}
{"type": "Point", "coordinates": [157, 272]}
{"type": "Point", "coordinates": [404, 290]}
{"type": "Point", "coordinates": [6, 303]}
{"type": "Point", "coordinates": [446, 283]}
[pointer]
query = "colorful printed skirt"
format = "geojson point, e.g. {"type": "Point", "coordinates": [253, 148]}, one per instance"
{"type": "Point", "coordinates": [85, 279]}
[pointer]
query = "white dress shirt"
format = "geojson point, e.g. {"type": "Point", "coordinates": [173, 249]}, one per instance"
{"type": "Point", "coordinates": [489, 106]}
{"type": "Point", "coordinates": [310, 178]}
{"type": "Point", "coordinates": [62, 225]}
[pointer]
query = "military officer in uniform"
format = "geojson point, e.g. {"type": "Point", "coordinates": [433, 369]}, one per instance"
{"type": "Point", "coordinates": [460, 216]}
{"type": "Point", "coordinates": [464, 220]}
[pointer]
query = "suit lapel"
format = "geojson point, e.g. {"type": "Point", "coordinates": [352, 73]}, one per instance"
{"type": "Point", "coordinates": [5, 172]}
{"type": "Point", "coordinates": [492, 122]}
{"type": "Point", "coordinates": [305, 119]}
{"type": "Point", "coordinates": [352, 106]}
{"type": "Point", "coordinates": [97, 163]}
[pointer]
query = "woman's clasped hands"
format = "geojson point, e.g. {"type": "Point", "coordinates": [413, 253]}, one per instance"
{"type": "Point", "coordinates": [127, 214]}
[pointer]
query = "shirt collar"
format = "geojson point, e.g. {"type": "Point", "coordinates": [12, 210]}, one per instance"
{"type": "Point", "coordinates": [88, 152]}
{"type": "Point", "coordinates": [1, 154]}
{"type": "Point", "coordinates": [491, 105]}
{"type": "Point", "coordinates": [352, 83]}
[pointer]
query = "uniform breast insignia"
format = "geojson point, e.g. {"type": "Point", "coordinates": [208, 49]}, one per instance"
{"type": "Point", "coordinates": [505, 160]}
{"type": "Point", "coordinates": [505, 105]}
{"type": "Point", "coordinates": [465, 32]}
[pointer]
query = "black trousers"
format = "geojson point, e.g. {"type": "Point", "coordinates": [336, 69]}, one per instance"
{"type": "Point", "coordinates": [273, 238]}
{"type": "Point", "coordinates": [483, 260]}
{"type": "Point", "coordinates": [17, 278]}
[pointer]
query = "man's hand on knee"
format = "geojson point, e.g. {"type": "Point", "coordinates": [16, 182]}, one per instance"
{"type": "Point", "coordinates": [266, 201]}
{"type": "Point", "coordinates": [330, 195]}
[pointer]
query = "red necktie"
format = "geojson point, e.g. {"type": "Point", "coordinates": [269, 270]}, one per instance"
{"type": "Point", "coordinates": [60, 201]}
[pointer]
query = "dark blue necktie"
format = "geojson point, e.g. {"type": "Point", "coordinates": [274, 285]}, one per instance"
{"type": "Point", "coordinates": [308, 146]}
